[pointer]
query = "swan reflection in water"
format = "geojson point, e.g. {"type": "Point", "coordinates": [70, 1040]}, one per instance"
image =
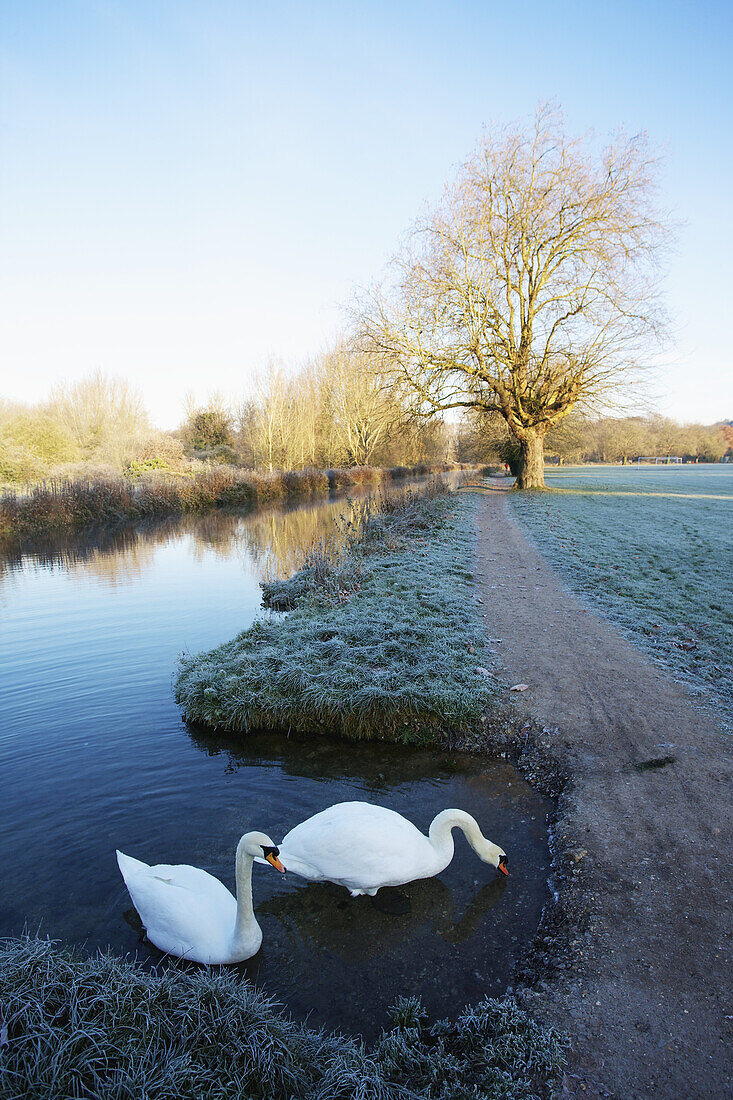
{"type": "Point", "coordinates": [318, 915]}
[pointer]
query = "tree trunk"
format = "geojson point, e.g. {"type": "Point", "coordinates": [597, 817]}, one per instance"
{"type": "Point", "coordinates": [532, 463]}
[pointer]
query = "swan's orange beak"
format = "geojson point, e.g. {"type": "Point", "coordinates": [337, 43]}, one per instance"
{"type": "Point", "coordinates": [504, 865]}
{"type": "Point", "coordinates": [275, 862]}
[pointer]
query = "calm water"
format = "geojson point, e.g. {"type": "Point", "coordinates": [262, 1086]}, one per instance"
{"type": "Point", "coordinates": [94, 755]}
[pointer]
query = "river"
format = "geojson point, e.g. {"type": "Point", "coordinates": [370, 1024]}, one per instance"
{"type": "Point", "coordinates": [94, 756]}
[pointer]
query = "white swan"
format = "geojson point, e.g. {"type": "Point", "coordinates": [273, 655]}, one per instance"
{"type": "Point", "coordinates": [365, 847]}
{"type": "Point", "coordinates": [189, 913]}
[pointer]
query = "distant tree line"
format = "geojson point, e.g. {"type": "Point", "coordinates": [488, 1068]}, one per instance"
{"type": "Point", "coordinates": [334, 412]}
{"type": "Point", "coordinates": [602, 439]}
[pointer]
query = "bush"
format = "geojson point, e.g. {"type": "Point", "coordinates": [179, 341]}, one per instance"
{"type": "Point", "coordinates": [30, 444]}
{"type": "Point", "coordinates": [153, 486]}
{"type": "Point", "coordinates": [165, 447]}
{"type": "Point", "coordinates": [18, 466]}
{"type": "Point", "coordinates": [221, 455]}
{"type": "Point", "coordinates": [209, 427]}
{"type": "Point", "coordinates": [41, 436]}
{"type": "Point", "coordinates": [146, 466]}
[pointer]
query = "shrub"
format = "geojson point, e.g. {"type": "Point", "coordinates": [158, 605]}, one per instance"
{"type": "Point", "coordinates": [165, 447]}
{"type": "Point", "coordinates": [41, 436]}
{"type": "Point", "coordinates": [221, 455]}
{"type": "Point", "coordinates": [209, 427]}
{"type": "Point", "coordinates": [146, 466]}
{"type": "Point", "coordinates": [339, 479]}
{"type": "Point", "coordinates": [152, 487]}
{"type": "Point", "coordinates": [17, 465]}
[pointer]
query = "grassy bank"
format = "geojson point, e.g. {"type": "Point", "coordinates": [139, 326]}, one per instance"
{"type": "Point", "coordinates": [653, 550]}
{"type": "Point", "coordinates": [103, 1027]}
{"type": "Point", "coordinates": [382, 640]}
{"type": "Point", "coordinates": [65, 504]}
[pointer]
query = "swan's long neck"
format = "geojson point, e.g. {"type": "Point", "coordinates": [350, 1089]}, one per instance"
{"type": "Point", "coordinates": [246, 920]}
{"type": "Point", "coordinates": [441, 837]}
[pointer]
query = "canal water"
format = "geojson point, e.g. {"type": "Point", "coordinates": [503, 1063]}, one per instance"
{"type": "Point", "coordinates": [94, 756]}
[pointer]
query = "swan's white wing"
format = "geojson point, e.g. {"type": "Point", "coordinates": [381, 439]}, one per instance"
{"type": "Point", "coordinates": [358, 845]}
{"type": "Point", "coordinates": [186, 911]}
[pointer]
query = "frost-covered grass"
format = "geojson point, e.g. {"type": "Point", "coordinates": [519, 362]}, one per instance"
{"type": "Point", "coordinates": [103, 1027]}
{"type": "Point", "coordinates": [653, 549]}
{"type": "Point", "coordinates": [394, 654]}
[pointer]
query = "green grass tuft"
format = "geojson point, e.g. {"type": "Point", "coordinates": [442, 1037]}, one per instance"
{"type": "Point", "coordinates": [393, 654]}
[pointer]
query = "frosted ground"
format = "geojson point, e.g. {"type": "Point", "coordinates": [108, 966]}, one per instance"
{"type": "Point", "coordinates": [652, 548]}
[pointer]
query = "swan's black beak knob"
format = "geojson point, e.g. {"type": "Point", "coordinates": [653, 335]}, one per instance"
{"type": "Point", "coordinates": [271, 855]}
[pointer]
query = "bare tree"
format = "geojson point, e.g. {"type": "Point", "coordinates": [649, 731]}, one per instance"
{"type": "Point", "coordinates": [532, 287]}
{"type": "Point", "coordinates": [106, 416]}
{"type": "Point", "coordinates": [363, 410]}
{"type": "Point", "coordinates": [273, 419]}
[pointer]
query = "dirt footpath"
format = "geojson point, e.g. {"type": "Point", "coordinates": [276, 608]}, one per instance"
{"type": "Point", "coordinates": [648, 1001]}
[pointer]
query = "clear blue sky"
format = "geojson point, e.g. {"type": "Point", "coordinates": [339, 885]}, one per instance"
{"type": "Point", "coordinates": [189, 186]}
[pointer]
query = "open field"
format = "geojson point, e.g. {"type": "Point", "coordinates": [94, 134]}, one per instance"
{"type": "Point", "coordinates": [652, 548]}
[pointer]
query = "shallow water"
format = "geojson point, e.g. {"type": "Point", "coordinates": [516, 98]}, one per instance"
{"type": "Point", "coordinates": [94, 756]}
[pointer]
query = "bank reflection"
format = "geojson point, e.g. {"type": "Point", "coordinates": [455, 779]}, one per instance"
{"type": "Point", "coordinates": [272, 542]}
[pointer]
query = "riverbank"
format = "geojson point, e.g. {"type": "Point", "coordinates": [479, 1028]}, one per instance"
{"type": "Point", "coordinates": [104, 1027]}
{"type": "Point", "coordinates": [643, 836]}
{"type": "Point", "coordinates": [71, 505]}
{"type": "Point", "coordinates": [382, 640]}
{"type": "Point", "coordinates": [630, 957]}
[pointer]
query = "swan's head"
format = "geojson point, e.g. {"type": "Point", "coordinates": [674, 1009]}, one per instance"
{"type": "Point", "coordinates": [260, 846]}
{"type": "Point", "coordinates": [496, 856]}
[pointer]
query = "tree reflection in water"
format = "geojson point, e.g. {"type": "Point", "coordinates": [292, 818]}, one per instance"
{"type": "Point", "coordinates": [272, 542]}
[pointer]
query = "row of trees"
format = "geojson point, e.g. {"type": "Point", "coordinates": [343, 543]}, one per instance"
{"type": "Point", "coordinates": [334, 412]}
{"type": "Point", "coordinates": [603, 439]}
{"type": "Point", "coordinates": [98, 422]}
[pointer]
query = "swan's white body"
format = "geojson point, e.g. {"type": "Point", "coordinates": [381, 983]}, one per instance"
{"type": "Point", "coordinates": [365, 847]}
{"type": "Point", "coordinates": [189, 913]}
